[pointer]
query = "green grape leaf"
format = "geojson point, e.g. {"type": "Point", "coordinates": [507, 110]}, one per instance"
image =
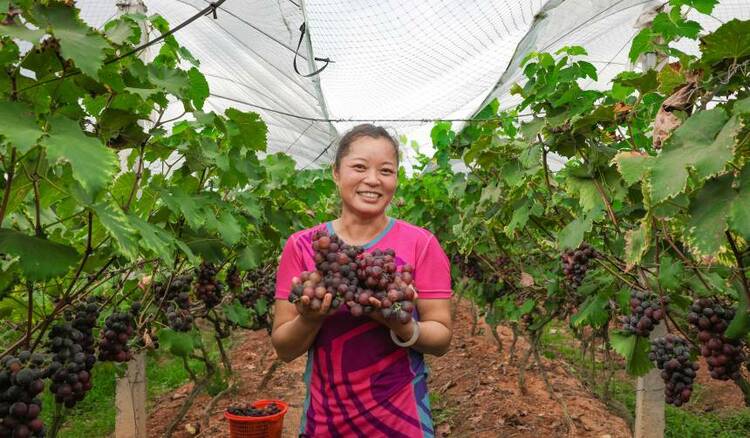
{"type": "Point", "coordinates": [227, 227]}
{"type": "Point", "coordinates": [670, 28]}
{"type": "Point", "coordinates": [39, 259]}
{"type": "Point", "coordinates": [572, 235]}
{"type": "Point", "coordinates": [740, 324]}
{"type": "Point", "coordinates": [671, 273]}
{"type": "Point", "coordinates": [635, 350]}
{"type": "Point", "coordinates": [208, 247]}
{"type": "Point", "coordinates": [22, 32]}
{"type": "Point", "coordinates": [122, 30]}
{"type": "Point", "coordinates": [199, 91]}
{"type": "Point", "coordinates": [118, 226]}
{"type": "Point", "coordinates": [261, 306]}
{"type": "Point", "coordinates": [279, 168]}
{"type": "Point", "coordinates": [93, 164]}
{"type": "Point", "coordinates": [179, 344]}
{"type": "Point", "coordinates": [739, 213]}
{"type": "Point", "coordinates": [246, 130]}
{"type": "Point", "coordinates": [637, 242]}
{"type": "Point", "coordinates": [18, 126]}
{"type": "Point", "coordinates": [592, 312]}
{"type": "Point", "coordinates": [708, 214]}
{"type": "Point", "coordinates": [702, 6]}
{"type": "Point", "coordinates": [704, 143]}
{"type": "Point", "coordinates": [641, 44]}
{"type": "Point", "coordinates": [669, 79]}
{"type": "Point", "coordinates": [632, 165]}
{"type": "Point", "coordinates": [189, 206]}
{"type": "Point", "coordinates": [171, 80]}
{"type": "Point", "coordinates": [77, 41]}
{"type": "Point", "coordinates": [643, 82]}
{"type": "Point", "coordinates": [237, 313]}
{"type": "Point", "coordinates": [720, 204]}
{"type": "Point", "coordinates": [730, 41]}
{"type": "Point", "coordinates": [250, 257]}
{"type": "Point", "coordinates": [153, 238]}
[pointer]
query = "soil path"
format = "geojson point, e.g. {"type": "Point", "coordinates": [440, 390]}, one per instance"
{"type": "Point", "coordinates": [475, 392]}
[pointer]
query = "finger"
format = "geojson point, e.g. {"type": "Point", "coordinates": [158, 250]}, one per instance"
{"type": "Point", "coordinates": [305, 300]}
{"type": "Point", "coordinates": [326, 303]}
{"type": "Point", "coordinates": [375, 303]}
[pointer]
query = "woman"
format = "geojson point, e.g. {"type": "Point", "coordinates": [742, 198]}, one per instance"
{"type": "Point", "coordinates": [365, 376]}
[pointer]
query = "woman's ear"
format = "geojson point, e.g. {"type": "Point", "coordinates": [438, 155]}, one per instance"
{"type": "Point", "coordinates": [335, 174]}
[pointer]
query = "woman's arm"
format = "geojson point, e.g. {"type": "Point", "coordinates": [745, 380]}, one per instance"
{"type": "Point", "coordinates": [435, 326]}
{"type": "Point", "coordinates": [296, 325]}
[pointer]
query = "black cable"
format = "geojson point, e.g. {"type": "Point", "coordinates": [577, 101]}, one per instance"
{"type": "Point", "coordinates": [210, 9]}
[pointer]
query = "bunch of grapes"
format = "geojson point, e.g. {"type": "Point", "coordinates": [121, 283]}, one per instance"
{"type": "Point", "coordinates": [21, 381]}
{"type": "Point", "coordinates": [335, 274]}
{"type": "Point", "coordinates": [71, 345]}
{"type": "Point", "coordinates": [724, 356]}
{"type": "Point", "coordinates": [575, 263]}
{"type": "Point", "coordinates": [264, 286]}
{"type": "Point", "coordinates": [208, 289]}
{"type": "Point", "coordinates": [113, 346]}
{"type": "Point", "coordinates": [180, 320]}
{"type": "Point", "coordinates": [378, 273]}
{"type": "Point", "coordinates": [504, 270]}
{"type": "Point", "coordinates": [672, 356]}
{"type": "Point", "coordinates": [469, 266]}
{"type": "Point", "coordinates": [647, 309]}
{"type": "Point", "coordinates": [234, 278]}
{"type": "Point", "coordinates": [178, 291]}
{"type": "Point", "coordinates": [249, 411]}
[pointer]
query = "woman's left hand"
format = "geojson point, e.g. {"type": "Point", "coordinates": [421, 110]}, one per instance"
{"type": "Point", "coordinates": [393, 324]}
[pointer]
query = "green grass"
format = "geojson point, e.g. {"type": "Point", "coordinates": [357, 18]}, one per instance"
{"type": "Point", "coordinates": [680, 422]}
{"type": "Point", "coordinates": [441, 411]}
{"type": "Point", "coordinates": [94, 417]}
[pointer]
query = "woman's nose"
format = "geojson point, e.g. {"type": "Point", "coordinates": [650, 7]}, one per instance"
{"type": "Point", "coordinates": [371, 177]}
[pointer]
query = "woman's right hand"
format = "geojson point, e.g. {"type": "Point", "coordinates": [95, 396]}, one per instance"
{"type": "Point", "coordinates": [312, 313]}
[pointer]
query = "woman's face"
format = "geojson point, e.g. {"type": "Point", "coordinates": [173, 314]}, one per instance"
{"type": "Point", "coordinates": [367, 176]}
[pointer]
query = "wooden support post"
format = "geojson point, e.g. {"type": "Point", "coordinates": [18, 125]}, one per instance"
{"type": "Point", "coordinates": [649, 399]}
{"type": "Point", "coordinates": [131, 400]}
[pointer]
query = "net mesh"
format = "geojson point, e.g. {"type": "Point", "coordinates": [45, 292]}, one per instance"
{"type": "Point", "coordinates": [399, 64]}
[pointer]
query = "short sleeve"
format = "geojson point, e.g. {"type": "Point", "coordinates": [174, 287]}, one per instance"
{"type": "Point", "coordinates": [432, 272]}
{"type": "Point", "coordinates": [290, 266]}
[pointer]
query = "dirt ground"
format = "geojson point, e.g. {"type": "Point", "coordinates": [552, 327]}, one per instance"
{"type": "Point", "coordinates": [475, 390]}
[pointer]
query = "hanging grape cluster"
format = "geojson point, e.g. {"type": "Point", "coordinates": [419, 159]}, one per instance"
{"type": "Point", "coordinates": [175, 300]}
{"type": "Point", "coordinates": [113, 345]}
{"type": "Point", "coordinates": [576, 263]}
{"type": "Point", "coordinates": [724, 356]}
{"type": "Point", "coordinates": [21, 382]}
{"type": "Point", "coordinates": [469, 267]}
{"type": "Point", "coordinates": [646, 310]}
{"type": "Point", "coordinates": [178, 291]}
{"type": "Point", "coordinates": [672, 356]}
{"type": "Point", "coordinates": [208, 289]}
{"type": "Point", "coordinates": [71, 346]}
{"type": "Point", "coordinates": [263, 286]}
{"type": "Point", "coordinates": [234, 279]}
{"type": "Point", "coordinates": [352, 276]}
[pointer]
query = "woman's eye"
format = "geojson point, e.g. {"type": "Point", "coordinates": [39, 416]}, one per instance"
{"type": "Point", "coordinates": [359, 167]}
{"type": "Point", "coordinates": [386, 171]}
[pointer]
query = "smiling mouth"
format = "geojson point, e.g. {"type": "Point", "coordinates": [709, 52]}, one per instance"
{"type": "Point", "coordinates": [369, 195]}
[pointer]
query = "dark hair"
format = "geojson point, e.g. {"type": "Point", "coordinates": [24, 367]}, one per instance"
{"type": "Point", "coordinates": [363, 130]}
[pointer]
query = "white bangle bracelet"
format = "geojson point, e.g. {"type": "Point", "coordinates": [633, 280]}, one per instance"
{"type": "Point", "coordinates": [411, 341]}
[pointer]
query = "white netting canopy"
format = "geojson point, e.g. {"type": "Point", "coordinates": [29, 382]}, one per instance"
{"type": "Point", "coordinates": [397, 63]}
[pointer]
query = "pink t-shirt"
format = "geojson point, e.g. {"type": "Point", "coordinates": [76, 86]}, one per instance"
{"type": "Point", "coordinates": [359, 382]}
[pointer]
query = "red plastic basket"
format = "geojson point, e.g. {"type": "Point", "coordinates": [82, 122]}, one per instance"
{"type": "Point", "coordinates": [258, 427]}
